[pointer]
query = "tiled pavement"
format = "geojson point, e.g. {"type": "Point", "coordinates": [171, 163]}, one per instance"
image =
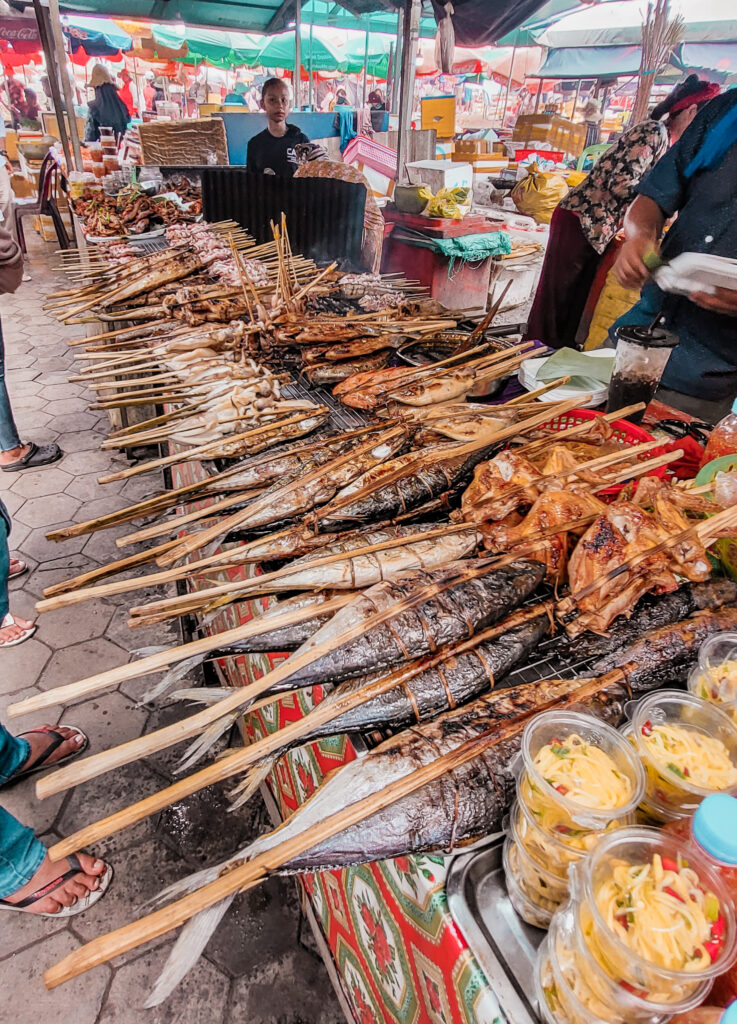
{"type": "Point", "coordinates": [261, 966]}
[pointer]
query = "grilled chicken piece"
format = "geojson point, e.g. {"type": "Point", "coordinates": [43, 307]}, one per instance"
{"type": "Point", "coordinates": [551, 510]}
{"type": "Point", "coordinates": [499, 486]}
{"type": "Point", "coordinates": [614, 539]}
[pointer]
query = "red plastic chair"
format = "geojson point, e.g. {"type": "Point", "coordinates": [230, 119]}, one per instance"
{"type": "Point", "coordinates": [48, 176]}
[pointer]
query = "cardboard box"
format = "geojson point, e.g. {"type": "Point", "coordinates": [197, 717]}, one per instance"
{"type": "Point", "coordinates": [439, 174]}
{"type": "Point", "coordinates": [21, 186]}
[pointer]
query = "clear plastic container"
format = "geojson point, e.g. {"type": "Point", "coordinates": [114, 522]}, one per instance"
{"type": "Point", "coordinates": [642, 354]}
{"type": "Point", "coordinates": [550, 849]}
{"type": "Point", "coordinates": [723, 438]}
{"type": "Point", "coordinates": [523, 905]}
{"type": "Point", "coordinates": [611, 904]}
{"type": "Point", "coordinates": [715, 676]}
{"type": "Point", "coordinates": [544, 888]}
{"type": "Point", "coordinates": [610, 790]}
{"type": "Point", "coordinates": [557, 1002]}
{"type": "Point", "coordinates": [671, 791]}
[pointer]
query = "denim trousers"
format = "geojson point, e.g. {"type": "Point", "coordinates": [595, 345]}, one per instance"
{"type": "Point", "coordinates": [4, 565]}
{"type": "Point", "coordinates": [9, 437]}
{"type": "Point", "coordinates": [21, 853]}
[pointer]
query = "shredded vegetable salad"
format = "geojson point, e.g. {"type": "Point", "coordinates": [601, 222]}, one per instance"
{"type": "Point", "coordinates": [661, 911]}
{"type": "Point", "coordinates": [718, 684]}
{"type": "Point", "coordinates": [584, 773]}
{"type": "Point", "coordinates": [689, 755]}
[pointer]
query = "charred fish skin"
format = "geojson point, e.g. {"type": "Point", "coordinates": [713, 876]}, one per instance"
{"type": "Point", "coordinates": [469, 802]}
{"type": "Point", "coordinates": [650, 613]}
{"type": "Point", "coordinates": [282, 638]}
{"type": "Point", "coordinates": [454, 614]}
{"type": "Point", "coordinates": [456, 681]}
{"type": "Point", "coordinates": [665, 656]}
{"type": "Point", "coordinates": [410, 491]}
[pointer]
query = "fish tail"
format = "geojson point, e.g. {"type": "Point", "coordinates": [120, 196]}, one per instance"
{"type": "Point", "coordinates": [251, 782]}
{"type": "Point", "coordinates": [187, 950]}
{"type": "Point", "coordinates": [202, 694]}
{"type": "Point", "coordinates": [170, 678]}
{"type": "Point", "coordinates": [206, 741]}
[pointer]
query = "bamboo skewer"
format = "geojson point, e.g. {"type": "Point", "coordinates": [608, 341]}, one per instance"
{"type": "Point", "coordinates": [247, 875]}
{"type": "Point", "coordinates": [240, 588]}
{"type": "Point", "coordinates": [245, 757]}
{"type": "Point", "coordinates": [209, 511]}
{"type": "Point", "coordinates": [164, 659]}
{"type": "Point", "coordinates": [201, 450]}
{"type": "Point", "coordinates": [107, 760]}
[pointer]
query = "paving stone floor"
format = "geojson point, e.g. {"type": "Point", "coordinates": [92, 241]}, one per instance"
{"type": "Point", "coordinates": [261, 967]}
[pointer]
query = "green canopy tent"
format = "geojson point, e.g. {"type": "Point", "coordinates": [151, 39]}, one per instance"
{"type": "Point", "coordinates": [278, 52]}
{"type": "Point", "coordinates": [328, 14]}
{"type": "Point", "coordinates": [375, 56]}
{"type": "Point", "coordinates": [221, 49]}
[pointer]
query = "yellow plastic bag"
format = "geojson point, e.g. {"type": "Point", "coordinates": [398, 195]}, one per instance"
{"type": "Point", "coordinates": [446, 203]}
{"type": "Point", "coordinates": [539, 193]}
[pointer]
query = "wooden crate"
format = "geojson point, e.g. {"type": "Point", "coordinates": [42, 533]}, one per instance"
{"type": "Point", "coordinates": [551, 128]}
{"type": "Point", "coordinates": [193, 142]}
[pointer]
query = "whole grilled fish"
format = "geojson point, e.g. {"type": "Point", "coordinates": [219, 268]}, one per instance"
{"type": "Point", "coordinates": [354, 572]}
{"type": "Point", "coordinates": [453, 810]}
{"type": "Point", "coordinates": [287, 501]}
{"type": "Point", "coordinates": [283, 638]}
{"type": "Point", "coordinates": [416, 483]}
{"type": "Point", "coordinates": [650, 613]}
{"type": "Point", "coordinates": [471, 801]}
{"type": "Point", "coordinates": [426, 610]}
{"type": "Point", "coordinates": [261, 470]}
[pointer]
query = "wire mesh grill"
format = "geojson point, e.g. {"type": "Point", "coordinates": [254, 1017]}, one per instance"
{"type": "Point", "coordinates": [341, 416]}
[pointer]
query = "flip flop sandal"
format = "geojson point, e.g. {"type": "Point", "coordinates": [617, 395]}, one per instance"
{"type": "Point", "coordinates": [35, 456]}
{"type": "Point", "coordinates": [26, 634]}
{"type": "Point", "coordinates": [40, 762]}
{"type": "Point", "coordinates": [79, 907]}
{"type": "Point", "coordinates": [18, 572]}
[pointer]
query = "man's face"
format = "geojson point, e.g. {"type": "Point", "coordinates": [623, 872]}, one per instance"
{"type": "Point", "coordinates": [276, 103]}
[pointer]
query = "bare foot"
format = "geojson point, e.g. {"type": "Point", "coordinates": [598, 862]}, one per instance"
{"type": "Point", "coordinates": [15, 566]}
{"type": "Point", "coordinates": [67, 894]}
{"type": "Point", "coordinates": [13, 454]}
{"type": "Point", "coordinates": [40, 741]}
{"type": "Point", "coordinates": [16, 630]}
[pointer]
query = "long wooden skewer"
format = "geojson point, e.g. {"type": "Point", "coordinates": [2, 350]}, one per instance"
{"type": "Point", "coordinates": [243, 758]}
{"type": "Point", "coordinates": [107, 760]}
{"type": "Point", "coordinates": [254, 871]}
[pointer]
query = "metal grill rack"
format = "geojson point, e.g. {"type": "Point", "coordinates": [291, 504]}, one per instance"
{"type": "Point", "coordinates": [341, 416]}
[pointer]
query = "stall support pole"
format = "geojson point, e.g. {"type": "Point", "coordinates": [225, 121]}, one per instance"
{"type": "Point", "coordinates": [298, 54]}
{"type": "Point", "coordinates": [396, 76]}
{"type": "Point", "coordinates": [311, 96]}
{"type": "Point", "coordinates": [537, 95]}
{"type": "Point", "coordinates": [575, 99]}
{"type": "Point", "coordinates": [48, 49]}
{"type": "Point", "coordinates": [509, 80]}
{"type": "Point", "coordinates": [61, 62]}
{"type": "Point", "coordinates": [365, 66]}
{"type": "Point", "coordinates": [410, 36]}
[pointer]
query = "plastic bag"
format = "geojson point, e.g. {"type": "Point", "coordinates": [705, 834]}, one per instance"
{"type": "Point", "coordinates": [447, 203]}
{"type": "Point", "coordinates": [539, 193]}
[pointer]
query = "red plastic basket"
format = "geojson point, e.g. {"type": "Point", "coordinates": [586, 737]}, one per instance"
{"type": "Point", "coordinates": [625, 433]}
{"type": "Point", "coordinates": [546, 154]}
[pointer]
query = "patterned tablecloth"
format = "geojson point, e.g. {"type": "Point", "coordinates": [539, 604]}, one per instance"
{"type": "Point", "coordinates": [398, 952]}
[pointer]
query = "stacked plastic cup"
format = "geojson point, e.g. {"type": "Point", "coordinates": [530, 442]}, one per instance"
{"type": "Point", "coordinates": [648, 926]}
{"type": "Point", "coordinates": [715, 676]}
{"type": "Point", "coordinates": [688, 748]}
{"type": "Point", "coordinates": [561, 811]}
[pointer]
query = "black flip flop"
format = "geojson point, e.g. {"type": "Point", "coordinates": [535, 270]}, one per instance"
{"type": "Point", "coordinates": [34, 457]}
{"type": "Point", "coordinates": [40, 762]}
{"type": "Point", "coordinates": [75, 868]}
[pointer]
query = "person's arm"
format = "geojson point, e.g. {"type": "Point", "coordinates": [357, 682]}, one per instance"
{"type": "Point", "coordinates": [11, 263]}
{"type": "Point", "coordinates": [251, 156]}
{"type": "Point", "coordinates": [643, 226]}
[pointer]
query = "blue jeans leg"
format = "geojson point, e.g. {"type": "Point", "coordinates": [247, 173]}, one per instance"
{"type": "Point", "coordinates": [9, 438]}
{"type": "Point", "coordinates": [4, 569]}
{"type": "Point", "coordinates": [21, 854]}
{"type": "Point", "coordinates": [14, 752]}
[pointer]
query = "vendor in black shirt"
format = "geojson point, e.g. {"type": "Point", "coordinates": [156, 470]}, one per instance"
{"type": "Point", "coordinates": [272, 150]}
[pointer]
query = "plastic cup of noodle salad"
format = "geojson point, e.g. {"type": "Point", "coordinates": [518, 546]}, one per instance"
{"type": "Point", "coordinates": [715, 676]}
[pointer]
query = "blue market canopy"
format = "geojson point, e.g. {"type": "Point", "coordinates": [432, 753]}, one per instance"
{"type": "Point", "coordinates": [100, 37]}
{"type": "Point", "coordinates": [590, 62]}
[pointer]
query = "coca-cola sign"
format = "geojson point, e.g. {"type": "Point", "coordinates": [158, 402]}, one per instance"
{"type": "Point", "coordinates": [19, 30]}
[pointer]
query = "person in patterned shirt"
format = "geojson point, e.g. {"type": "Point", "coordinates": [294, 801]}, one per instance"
{"type": "Point", "coordinates": [586, 221]}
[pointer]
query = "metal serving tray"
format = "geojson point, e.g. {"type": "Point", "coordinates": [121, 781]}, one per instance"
{"type": "Point", "coordinates": [504, 946]}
